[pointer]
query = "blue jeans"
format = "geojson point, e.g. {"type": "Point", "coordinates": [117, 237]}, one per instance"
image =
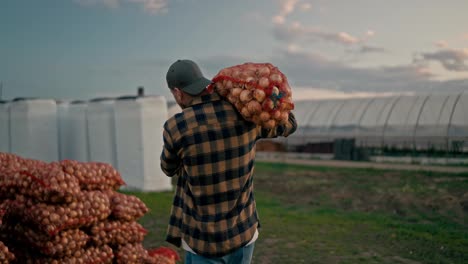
{"type": "Point", "coordinates": [241, 256]}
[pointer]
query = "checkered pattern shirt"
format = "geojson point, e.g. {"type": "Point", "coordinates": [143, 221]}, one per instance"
{"type": "Point", "coordinates": [212, 150]}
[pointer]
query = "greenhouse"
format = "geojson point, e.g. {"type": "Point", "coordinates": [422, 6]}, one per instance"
{"type": "Point", "coordinates": [431, 122]}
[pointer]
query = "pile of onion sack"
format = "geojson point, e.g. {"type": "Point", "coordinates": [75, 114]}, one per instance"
{"type": "Point", "coordinates": [259, 91]}
{"type": "Point", "coordinates": [69, 212]}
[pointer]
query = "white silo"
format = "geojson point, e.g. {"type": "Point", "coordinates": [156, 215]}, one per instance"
{"type": "Point", "coordinates": [73, 133]}
{"type": "Point", "coordinates": [34, 129]}
{"type": "Point", "coordinates": [101, 131]}
{"type": "Point", "coordinates": [139, 124]}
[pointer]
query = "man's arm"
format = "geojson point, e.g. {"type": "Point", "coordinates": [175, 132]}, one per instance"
{"type": "Point", "coordinates": [170, 161]}
{"type": "Point", "coordinates": [281, 130]}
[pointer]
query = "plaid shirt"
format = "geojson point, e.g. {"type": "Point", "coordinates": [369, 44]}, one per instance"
{"type": "Point", "coordinates": [212, 150]}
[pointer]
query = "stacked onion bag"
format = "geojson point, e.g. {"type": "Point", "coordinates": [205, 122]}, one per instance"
{"type": "Point", "coordinates": [68, 212]}
{"type": "Point", "coordinates": [259, 91]}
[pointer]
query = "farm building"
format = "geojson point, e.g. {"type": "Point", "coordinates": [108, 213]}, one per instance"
{"type": "Point", "coordinates": [419, 124]}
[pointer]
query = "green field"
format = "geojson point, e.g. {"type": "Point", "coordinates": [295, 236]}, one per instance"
{"type": "Point", "coordinates": [337, 215]}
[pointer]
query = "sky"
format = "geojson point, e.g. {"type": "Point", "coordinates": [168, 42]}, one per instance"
{"type": "Point", "coordinates": [83, 49]}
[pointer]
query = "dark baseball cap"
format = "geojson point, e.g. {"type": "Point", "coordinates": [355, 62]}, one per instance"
{"type": "Point", "coordinates": [187, 76]}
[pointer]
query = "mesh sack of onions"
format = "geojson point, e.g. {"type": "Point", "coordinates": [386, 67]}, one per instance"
{"type": "Point", "coordinates": [117, 233]}
{"type": "Point", "coordinates": [51, 184]}
{"type": "Point", "coordinates": [162, 255]}
{"type": "Point", "coordinates": [5, 255]}
{"type": "Point", "coordinates": [65, 243]}
{"type": "Point", "coordinates": [131, 254]}
{"type": "Point", "coordinates": [11, 181]}
{"type": "Point", "coordinates": [126, 207]}
{"type": "Point", "coordinates": [91, 255]}
{"type": "Point", "coordinates": [93, 175]}
{"type": "Point", "coordinates": [259, 91]}
{"type": "Point", "coordinates": [89, 208]}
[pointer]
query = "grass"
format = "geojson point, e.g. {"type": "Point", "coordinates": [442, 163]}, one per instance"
{"type": "Point", "coordinates": [337, 215]}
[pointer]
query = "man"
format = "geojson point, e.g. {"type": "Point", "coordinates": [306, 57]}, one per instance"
{"type": "Point", "coordinates": [212, 150]}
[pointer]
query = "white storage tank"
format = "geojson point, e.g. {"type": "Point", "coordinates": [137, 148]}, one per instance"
{"type": "Point", "coordinates": [34, 129]}
{"type": "Point", "coordinates": [139, 125]}
{"type": "Point", "coordinates": [73, 133]}
{"type": "Point", "coordinates": [101, 131]}
{"type": "Point", "coordinates": [4, 127]}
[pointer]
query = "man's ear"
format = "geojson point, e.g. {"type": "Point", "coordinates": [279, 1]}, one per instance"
{"type": "Point", "coordinates": [177, 93]}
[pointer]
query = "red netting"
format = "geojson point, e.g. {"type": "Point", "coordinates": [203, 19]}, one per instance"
{"type": "Point", "coordinates": [126, 207]}
{"type": "Point", "coordinates": [42, 181]}
{"type": "Point", "coordinates": [117, 233]}
{"type": "Point", "coordinates": [91, 255]}
{"type": "Point", "coordinates": [90, 207]}
{"type": "Point", "coordinates": [131, 254]}
{"type": "Point", "coordinates": [163, 255]}
{"type": "Point", "coordinates": [259, 91]}
{"type": "Point", "coordinates": [94, 175]}
{"type": "Point", "coordinates": [64, 244]}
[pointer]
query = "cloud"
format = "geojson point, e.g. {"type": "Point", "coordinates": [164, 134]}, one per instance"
{"type": "Point", "coordinates": [297, 31]}
{"type": "Point", "coordinates": [451, 59]}
{"type": "Point", "coordinates": [153, 6]}
{"type": "Point", "coordinates": [150, 6]}
{"type": "Point", "coordinates": [315, 70]}
{"type": "Point", "coordinates": [287, 7]}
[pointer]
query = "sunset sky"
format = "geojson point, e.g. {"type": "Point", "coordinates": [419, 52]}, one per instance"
{"type": "Point", "coordinates": [82, 49]}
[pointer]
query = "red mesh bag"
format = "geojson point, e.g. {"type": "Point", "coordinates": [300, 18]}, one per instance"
{"type": "Point", "coordinates": [65, 243]}
{"type": "Point", "coordinates": [90, 207]}
{"type": "Point", "coordinates": [126, 207]}
{"type": "Point", "coordinates": [117, 233]}
{"type": "Point", "coordinates": [11, 181]}
{"type": "Point", "coordinates": [93, 175]}
{"type": "Point", "coordinates": [5, 255]}
{"type": "Point", "coordinates": [91, 255]}
{"type": "Point", "coordinates": [131, 254]}
{"type": "Point", "coordinates": [42, 181]}
{"type": "Point", "coordinates": [163, 255]}
{"type": "Point", "coordinates": [259, 91]}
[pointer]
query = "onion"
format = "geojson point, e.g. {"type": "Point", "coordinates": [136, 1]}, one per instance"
{"type": "Point", "coordinates": [269, 124]}
{"type": "Point", "coordinates": [259, 95]}
{"type": "Point", "coordinates": [263, 71]}
{"type": "Point", "coordinates": [236, 92]}
{"type": "Point", "coordinates": [232, 99]}
{"type": "Point", "coordinates": [268, 105]}
{"type": "Point", "coordinates": [264, 116]}
{"type": "Point", "coordinates": [264, 82]}
{"type": "Point", "coordinates": [246, 74]}
{"type": "Point", "coordinates": [245, 112]}
{"type": "Point", "coordinates": [245, 96]}
{"type": "Point", "coordinates": [276, 78]}
{"type": "Point", "coordinates": [228, 84]}
{"type": "Point", "coordinates": [236, 74]}
{"type": "Point", "coordinates": [276, 114]}
{"type": "Point", "coordinates": [284, 118]}
{"type": "Point", "coordinates": [254, 107]}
